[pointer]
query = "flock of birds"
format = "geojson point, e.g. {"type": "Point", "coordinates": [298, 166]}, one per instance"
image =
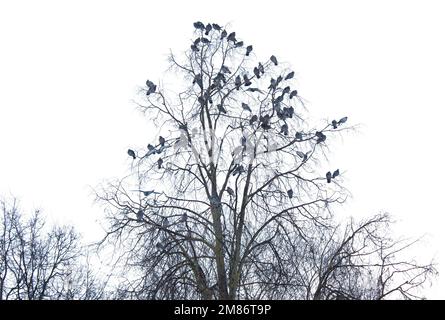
{"type": "Point", "coordinates": [246, 81]}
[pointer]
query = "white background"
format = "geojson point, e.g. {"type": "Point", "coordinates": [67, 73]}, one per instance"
{"type": "Point", "coordinates": [70, 69]}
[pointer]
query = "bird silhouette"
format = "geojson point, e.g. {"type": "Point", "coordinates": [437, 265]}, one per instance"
{"type": "Point", "coordinates": [274, 60]}
{"type": "Point", "coordinates": [246, 107]}
{"type": "Point", "coordinates": [249, 49]}
{"type": "Point", "coordinates": [343, 120]}
{"type": "Point", "coordinates": [336, 173]}
{"type": "Point", "coordinates": [165, 222]}
{"type": "Point", "coordinates": [328, 176]}
{"type": "Point", "coordinates": [247, 82]}
{"type": "Point", "coordinates": [225, 69]}
{"type": "Point", "coordinates": [254, 90]}
{"type": "Point", "coordinates": [140, 215]}
{"type": "Point", "coordinates": [223, 34]}
{"type": "Point", "coordinates": [286, 90]}
{"type": "Point", "coordinates": [289, 76]}
{"type": "Point", "coordinates": [146, 193]}
{"type": "Point", "coordinates": [239, 44]}
{"type": "Point", "coordinates": [150, 147]}
{"type": "Point", "coordinates": [334, 124]}
{"type": "Point", "coordinates": [231, 37]}
{"type": "Point", "coordinates": [299, 135]}
{"type": "Point", "coordinates": [151, 87]}
{"type": "Point", "coordinates": [294, 93]}
{"type": "Point", "coordinates": [256, 72]}
{"type": "Point", "coordinates": [238, 82]}
{"type": "Point", "coordinates": [230, 191]}
{"type": "Point", "coordinates": [199, 25]}
{"type": "Point", "coordinates": [321, 137]}
{"type": "Point", "coordinates": [194, 48]}
{"type": "Point", "coordinates": [284, 129]}
{"type": "Point", "coordinates": [198, 80]}
{"type": "Point", "coordinates": [205, 40]}
{"type": "Point", "coordinates": [208, 29]}
{"type": "Point", "coordinates": [239, 169]}
{"type": "Point", "coordinates": [261, 68]}
{"type": "Point", "coordinates": [161, 141]}
{"type": "Point", "coordinates": [184, 217]}
{"type": "Point", "coordinates": [253, 119]}
{"type": "Point", "coordinates": [131, 153]}
{"type": "Point", "coordinates": [160, 161]}
{"type": "Point", "coordinates": [290, 193]}
{"type": "Point", "coordinates": [216, 26]}
{"type": "Point", "coordinates": [221, 109]}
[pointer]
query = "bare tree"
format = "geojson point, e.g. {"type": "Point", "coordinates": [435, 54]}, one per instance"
{"type": "Point", "coordinates": [234, 200]}
{"type": "Point", "coordinates": [39, 262]}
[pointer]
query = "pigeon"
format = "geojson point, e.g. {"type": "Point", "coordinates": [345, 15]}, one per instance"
{"type": "Point", "coordinates": [265, 122]}
{"type": "Point", "coordinates": [140, 215]}
{"type": "Point", "coordinates": [161, 141]}
{"type": "Point", "coordinates": [147, 192]}
{"type": "Point", "coordinates": [208, 29]}
{"type": "Point", "coordinates": [334, 124]}
{"type": "Point", "coordinates": [194, 48]}
{"type": "Point", "coordinates": [238, 170]}
{"type": "Point", "coordinates": [336, 173]}
{"type": "Point", "coordinates": [238, 82]}
{"type": "Point", "coordinates": [205, 40]}
{"type": "Point", "coordinates": [165, 222]}
{"type": "Point", "coordinates": [246, 107]}
{"type": "Point", "coordinates": [286, 90]}
{"type": "Point", "coordinates": [224, 69]}
{"type": "Point", "coordinates": [253, 119]}
{"type": "Point", "coordinates": [320, 136]}
{"type": "Point", "coordinates": [183, 127]}
{"type": "Point", "coordinates": [216, 26]}
{"type": "Point", "coordinates": [239, 44]}
{"type": "Point", "coordinates": [328, 176]}
{"type": "Point", "coordinates": [131, 154]}
{"type": "Point", "coordinates": [299, 136]}
{"type": "Point", "coordinates": [199, 25]}
{"type": "Point", "coordinates": [284, 129]}
{"type": "Point", "coordinates": [221, 109]}
{"type": "Point", "coordinates": [342, 120]}
{"type": "Point", "coordinates": [248, 50]}
{"type": "Point", "coordinates": [261, 68]}
{"type": "Point", "coordinates": [150, 147]}
{"type": "Point", "coordinates": [254, 90]}
{"type": "Point", "coordinates": [223, 34]}
{"type": "Point", "coordinates": [290, 75]}
{"type": "Point", "coordinates": [230, 191]}
{"type": "Point", "coordinates": [231, 37]}
{"type": "Point", "coordinates": [197, 41]}
{"type": "Point", "coordinates": [290, 193]}
{"type": "Point", "coordinates": [201, 101]}
{"type": "Point", "coordinates": [294, 93]}
{"type": "Point", "coordinates": [247, 82]}
{"type": "Point", "coordinates": [184, 217]}
{"type": "Point", "coordinates": [151, 87]}
{"type": "Point", "coordinates": [274, 60]}
{"type": "Point", "coordinates": [256, 72]}
{"type": "Point", "coordinates": [198, 81]}
{"type": "Point", "coordinates": [160, 161]}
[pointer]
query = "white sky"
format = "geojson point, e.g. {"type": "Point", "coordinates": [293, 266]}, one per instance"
{"type": "Point", "coordinates": [69, 70]}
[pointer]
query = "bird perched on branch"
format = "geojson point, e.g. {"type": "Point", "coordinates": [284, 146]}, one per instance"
{"type": "Point", "coordinates": [294, 93]}
{"type": "Point", "coordinates": [199, 25]}
{"type": "Point", "coordinates": [328, 176]}
{"type": "Point", "coordinates": [274, 60]}
{"type": "Point", "coordinates": [335, 174]}
{"type": "Point", "coordinates": [160, 161]}
{"type": "Point", "coordinates": [230, 191]}
{"type": "Point", "coordinates": [161, 141]}
{"type": "Point", "coordinates": [208, 29]}
{"type": "Point", "coordinates": [289, 76]}
{"type": "Point", "coordinates": [249, 49]}
{"type": "Point", "coordinates": [131, 153]}
{"type": "Point", "coordinates": [148, 192]}
{"type": "Point", "coordinates": [151, 87]}
{"type": "Point", "coordinates": [221, 108]}
{"type": "Point", "coordinates": [246, 107]}
{"type": "Point", "coordinates": [140, 215]}
{"type": "Point", "coordinates": [290, 193]}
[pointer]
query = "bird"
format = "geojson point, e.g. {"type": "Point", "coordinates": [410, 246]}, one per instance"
{"type": "Point", "coordinates": [247, 82]}
{"type": "Point", "coordinates": [151, 87]}
{"type": "Point", "coordinates": [184, 217]}
{"type": "Point", "coordinates": [254, 90]}
{"type": "Point", "coordinates": [216, 26]}
{"type": "Point", "coordinates": [238, 170]}
{"type": "Point", "coordinates": [160, 161]}
{"type": "Point", "coordinates": [246, 107]}
{"type": "Point", "coordinates": [289, 76]}
{"type": "Point", "coordinates": [225, 69]}
{"type": "Point", "coordinates": [286, 90]}
{"type": "Point", "coordinates": [334, 124]}
{"type": "Point", "coordinates": [223, 34]}
{"type": "Point", "coordinates": [239, 44]}
{"type": "Point", "coordinates": [290, 193]}
{"type": "Point", "coordinates": [161, 141]}
{"type": "Point", "coordinates": [336, 173]}
{"type": "Point", "coordinates": [320, 136]}
{"type": "Point", "coordinates": [299, 135]}
{"type": "Point", "coordinates": [328, 176]}
{"type": "Point", "coordinates": [253, 119]}
{"type": "Point", "coordinates": [140, 215]}
{"type": "Point", "coordinates": [150, 147]}
{"type": "Point", "coordinates": [342, 120]}
{"type": "Point", "coordinates": [230, 191]}
{"type": "Point", "coordinates": [183, 127]}
{"type": "Point", "coordinates": [198, 80]}
{"type": "Point", "coordinates": [302, 155]}
{"type": "Point", "coordinates": [208, 29]}
{"type": "Point", "coordinates": [194, 48]}
{"type": "Point", "coordinates": [256, 72]}
{"type": "Point", "coordinates": [205, 40]}
{"type": "Point", "coordinates": [165, 222]}
{"type": "Point", "coordinates": [284, 129]}
{"type": "Point", "coordinates": [151, 150]}
{"type": "Point", "coordinates": [197, 41]}
{"type": "Point", "coordinates": [221, 109]}
{"type": "Point", "coordinates": [231, 37]}
{"type": "Point", "coordinates": [131, 153]}
{"type": "Point", "coordinates": [146, 193]}
{"type": "Point", "coordinates": [261, 68]}
{"type": "Point", "coordinates": [274, 60]}
{"type": "Point", "coordinates": [294, 93]}
{"type": "Point", "coordinates": [199, 25]}
{"type": "Point", "coordinates": [249, 49]}
{"type": "Point", "coordinates": [238, 82]}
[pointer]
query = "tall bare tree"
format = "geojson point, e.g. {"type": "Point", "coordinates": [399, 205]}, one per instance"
{"type": "Point", "coordinates": [41, 262]}
{"type": "Point", "coordinates": [234, 199]}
